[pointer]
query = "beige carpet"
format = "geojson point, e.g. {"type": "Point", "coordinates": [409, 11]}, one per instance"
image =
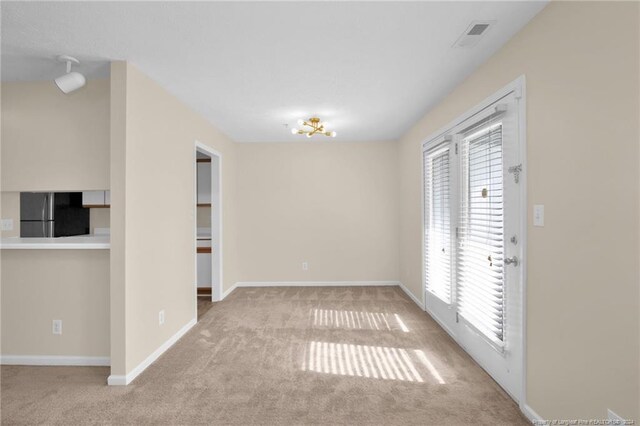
{"type": "Point", "coordinates": [204, 304]}
{"type": "Point", "coordinates": [288, 355]}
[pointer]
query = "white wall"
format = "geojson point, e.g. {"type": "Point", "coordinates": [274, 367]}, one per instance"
{"type": "Point", "coordinates": [52, 141]}
{"type": "Point", "coordinates": [331, 204]}
{"type": "Point", "coordinates": [10, 209]}
{"type": "Point", "coordinates": [39, 286]}
{"type": "Point", "coordinates": [153, 214]}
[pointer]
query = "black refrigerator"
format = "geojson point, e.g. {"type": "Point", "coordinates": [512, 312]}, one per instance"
{"type": "Point", "coordinates": [52, 214]}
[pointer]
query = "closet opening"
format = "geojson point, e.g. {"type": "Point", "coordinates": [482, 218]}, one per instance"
{"type": "Point", "coordinates": [208, 227]}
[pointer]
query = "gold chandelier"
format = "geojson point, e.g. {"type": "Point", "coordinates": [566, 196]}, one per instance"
{"type": "Point", "coordinates": [312, 127]}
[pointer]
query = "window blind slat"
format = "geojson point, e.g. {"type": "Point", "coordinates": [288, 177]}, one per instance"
{"type": "Point", "coordinates": [480, 275]}
{"type": "Point", "coordinates": [437, 238]}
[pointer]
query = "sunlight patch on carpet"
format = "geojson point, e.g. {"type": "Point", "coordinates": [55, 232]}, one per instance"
{"type": "Point", "coordinates": [375, 362]}
{"type": "Point", "coordinates": [356, 320]}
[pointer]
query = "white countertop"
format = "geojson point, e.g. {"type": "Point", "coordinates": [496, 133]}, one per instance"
{"type": "Point", "coordinates": [82, 242]}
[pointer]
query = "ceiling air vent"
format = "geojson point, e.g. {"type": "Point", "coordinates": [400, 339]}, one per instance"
{"type": "Point", "coordinates": [473, 33]}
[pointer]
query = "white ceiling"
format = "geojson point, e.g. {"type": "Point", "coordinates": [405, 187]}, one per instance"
{"type": "Point", "coordinates": [370, 69]}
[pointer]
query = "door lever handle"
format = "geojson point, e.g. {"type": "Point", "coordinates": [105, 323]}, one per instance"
{"type": "Point", "coordinates": [512, 261]}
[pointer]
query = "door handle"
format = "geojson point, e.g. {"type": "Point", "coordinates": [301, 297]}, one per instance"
{"type": "Point", "coordinates": [512, 261]}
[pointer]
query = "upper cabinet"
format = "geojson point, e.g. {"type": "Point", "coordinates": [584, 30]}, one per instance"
{"type": "Point", "coordinates": [93, 199]}
{"type": "Point", "coordinates": [204, 183]}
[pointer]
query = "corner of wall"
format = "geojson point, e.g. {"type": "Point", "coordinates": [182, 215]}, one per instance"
{"type": "Point", "coordinates": [118, 110]}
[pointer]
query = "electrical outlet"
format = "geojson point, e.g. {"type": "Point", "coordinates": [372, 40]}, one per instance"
{"type": "Point", "coordinates": [161, 317]}
{"type": "Point", "coordinates": [6, 225]}
{"type": "Point", "coordinates": [57, 327]}
{"type": "Point", "coordinates": [305, 266]}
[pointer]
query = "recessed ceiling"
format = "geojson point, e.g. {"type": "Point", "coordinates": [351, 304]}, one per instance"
{"type": "Point", "coordinates": [369, 69]}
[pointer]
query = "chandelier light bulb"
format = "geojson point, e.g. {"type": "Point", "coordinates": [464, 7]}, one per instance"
{"type": "Point", "coordinates": [333, 134]}
{"type": "Point", "coordinates": [308, 135]}
{"type": "Point", "coordinates": [300, 122]}
{"type": "Point", "coordinates": [294, 131]}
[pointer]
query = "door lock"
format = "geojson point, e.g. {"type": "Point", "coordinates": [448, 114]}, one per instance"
{"type": "Point", "coordinates": [512, 261]}
{"type": "Point", "coordinates": [516, 170]}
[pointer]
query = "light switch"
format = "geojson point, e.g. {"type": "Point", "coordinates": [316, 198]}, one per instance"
{"type": "Point", "coordinates": [7, 224]}
{"type": "Point", "coordinates": [538, 215]}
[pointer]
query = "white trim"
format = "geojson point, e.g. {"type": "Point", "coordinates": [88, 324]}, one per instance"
{"type": "Point", "coordinates": [448, 330]}
{"type": "Point", "coordinates": [121, 380]}
{"type": "Point", "coordinates": [411, 296]}
{"type": "Point", "coordinates": [314, 284]}
{"type": "Point", "coordinates": [530, 414]}
{"type": "Point", "coordinates": [229, 291]}
{"type": "Point", "coordinates": [516, 86]}
{"type": "Point", "coordinates": [521, 92]}
{"type": "Point", "coordinates": [422, 218]}
{"type": "Point", "coordinates": [114, 380]}
{"type": "Point", "coordinates": [93, 361]}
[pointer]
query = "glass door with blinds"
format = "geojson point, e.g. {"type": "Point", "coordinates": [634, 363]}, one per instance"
{"type": "Point", "coordinates": [473, 229]}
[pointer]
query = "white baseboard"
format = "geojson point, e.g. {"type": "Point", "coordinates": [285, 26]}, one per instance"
{"type": "Point", "coordinates": [117, 380]}
{"type": "Point", "coordinates": [314, 283]}
{"type": "Point", "coordinates": [412, 296]}
{"type": "Point", "coordinates": [121, 380]}
{"type": "Point", "coordinates": [229, 291]}
{"type": "Point", "coordinates": [94, 361]}
{"type": "Point", "coordinates": [319, 284]}
{"type": "Point", "coordinates": [530, 414]}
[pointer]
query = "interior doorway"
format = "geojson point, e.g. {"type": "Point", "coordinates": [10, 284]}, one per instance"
{"type": "Point", "coordinates": [208, 227]}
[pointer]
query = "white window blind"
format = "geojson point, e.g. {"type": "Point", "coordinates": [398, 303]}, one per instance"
{"type": "Point", "coordinates": [437, 228]}
{"type": "Point", "coordinates": [480, 277]}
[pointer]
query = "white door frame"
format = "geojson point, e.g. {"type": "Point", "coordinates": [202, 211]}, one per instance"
{"type": "Point", "coordinates": [518, 87]}
{"type": "Point", "coordinates": [216, 220]}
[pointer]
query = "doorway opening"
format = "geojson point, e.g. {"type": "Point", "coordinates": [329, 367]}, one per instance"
{"type": "Point", "coordinates": [208, 227]}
